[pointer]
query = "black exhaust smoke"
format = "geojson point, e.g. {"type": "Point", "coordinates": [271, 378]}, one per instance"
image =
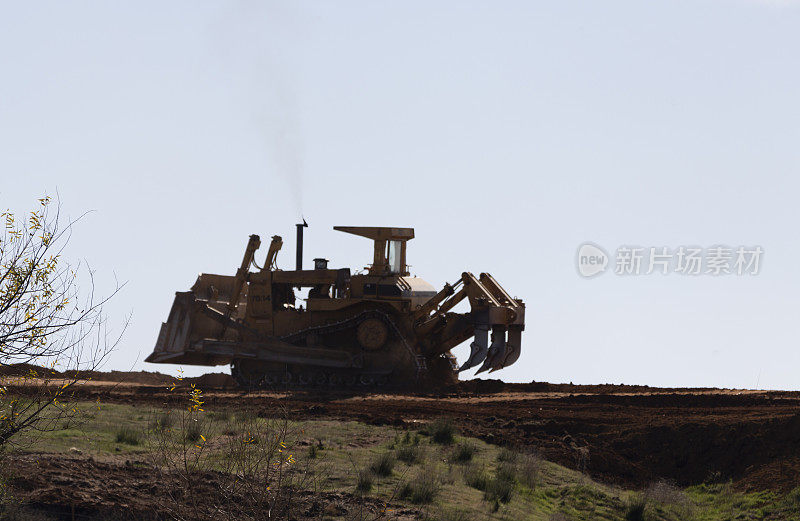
{"type": "Point", "coordinates": [299, 260]}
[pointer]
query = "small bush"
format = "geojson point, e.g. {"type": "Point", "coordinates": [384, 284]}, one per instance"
{"type": "Point", "coordinates": [312, 452]}
{"type": "Point", "coordinates": [442, 431]}
{"type": "Point", "coordinates": [507, 456]}
{"type": "Point", "coordinates": [364, 481]}
{"type": "Point", "coordinates": [476, 477]}
{"type": "Point", "coordinates": [464, 452]}
{"type": "Point", "coordinates": [410, 454]}
{"type": "Point", "coordinates": [422, 490]}
{"type": "Point", "coordinates": [128, 436]}
{"type": "Point", "coordinates": [383, 464]}
{"type": "Point", "coordinates": [634, 510]}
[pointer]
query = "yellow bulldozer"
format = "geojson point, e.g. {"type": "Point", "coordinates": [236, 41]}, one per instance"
{"type": "Point", "coordinates": [377, 328]}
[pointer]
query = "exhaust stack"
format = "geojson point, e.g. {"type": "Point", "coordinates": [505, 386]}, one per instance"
{"type": "Point", "coordinates": [299, 259]}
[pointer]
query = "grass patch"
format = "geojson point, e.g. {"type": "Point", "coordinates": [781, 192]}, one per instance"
{"type": "Point", "coordinates": [163, 421]}
{"type": "Point", "coordinates": [793, 497]}
{"type": "Point", "coordinates": [313, 451]}
{"type": "Point", "coordinates": [410, 454]}
{"type": "Point", "coordinates": [500, 489]}
{"type": "Point", "coordinates": [223, 415]}
{"type": "Point", "coordinates": [536, 489]}
{"type": "Point", "coordinates": [383, 464]}
{"type": "Point", "coordinates": [422, 490]}
{"type": "Point", "coordinates": [507, 456]}
{"type": "Point", "coordinates": [364, 481]}
{"type": "Point", "coordinates": [529, 469]}
{"type": "Point", "coordinates": [507, 472]}
{"type": "Point", "coordinates": [128, 436]}
{"type": "Point", "coordinates": [464, 452]}
{"type": "Point", "coordinates": [476, 477]}
{"type": "Point", "coordinates": [634, 510]}
{"type": "Point", "coordinates": [451, 514]}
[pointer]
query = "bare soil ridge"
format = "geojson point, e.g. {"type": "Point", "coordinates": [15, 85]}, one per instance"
{"type": "Point", "coordinates": [628, 435]}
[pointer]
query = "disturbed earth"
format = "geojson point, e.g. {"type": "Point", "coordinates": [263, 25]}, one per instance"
{"type": "Point", "coordinates": [626, 435]}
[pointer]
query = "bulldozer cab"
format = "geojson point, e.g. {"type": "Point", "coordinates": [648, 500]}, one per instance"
{"type": "Point", "coordinates": [389, 257]}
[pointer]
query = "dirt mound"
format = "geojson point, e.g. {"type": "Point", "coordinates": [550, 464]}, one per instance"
{"type": "Point", "coordinates": [214, 381]}
{"type": "Point", "coordinates": [480, 386]}
{"type": "Point", "coordinates": [34, 371]}
{"type": "Point", "coordinates": [131, 377]}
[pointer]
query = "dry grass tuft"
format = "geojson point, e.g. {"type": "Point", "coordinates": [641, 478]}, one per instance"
{"type": "Point", "coordinates": [383, 464]}
{"type": "Point", "coordinates": [422, 490]}
{"type": "Point", "coordinates": [128, 436]}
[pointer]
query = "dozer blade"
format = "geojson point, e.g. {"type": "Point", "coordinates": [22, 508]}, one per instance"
{"type": "Point", "coordinates": [478, 348]}
{"type": "Point", "coordinates": [497, 351]}
{"type": "Point", "coordinates": [513, 348]}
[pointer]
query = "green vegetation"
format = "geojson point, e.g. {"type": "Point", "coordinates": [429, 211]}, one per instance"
{"type": "Point", "coordinates": [442, 431]}
{"type": "Point", "coordinates": [634, 511]}
{"type": "Point", "coordinates": [128, 436]}
{"type": "Point", "coordinates": [422, 490]}
{"type": "Point", "coordinates": [163, 421]}
{"type": "Point", "coordinates": [449, 476]}
{"type": "Point", "coordinates": [383, 464]}
{"type": "Point", "coordinates": [364, 481]}
{"type": "Point", "coordinates": [410, 454]}
{"type": "Point", "coordinates": [463, 452]}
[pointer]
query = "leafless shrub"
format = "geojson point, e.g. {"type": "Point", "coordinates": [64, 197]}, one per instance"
{"type": "Point", "coordinates": [47, 320]}
{"type": "Point", "coordinates": [252, 474]}
{"type": "Point", "coordinates": [581, 458]}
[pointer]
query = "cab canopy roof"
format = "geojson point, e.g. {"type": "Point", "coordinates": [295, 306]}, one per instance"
{"type": "Point", "coordinates": [377, 233]}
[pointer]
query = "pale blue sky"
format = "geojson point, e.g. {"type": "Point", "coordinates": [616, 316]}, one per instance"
{"type": "Point", "coordinates": [506, 133]}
